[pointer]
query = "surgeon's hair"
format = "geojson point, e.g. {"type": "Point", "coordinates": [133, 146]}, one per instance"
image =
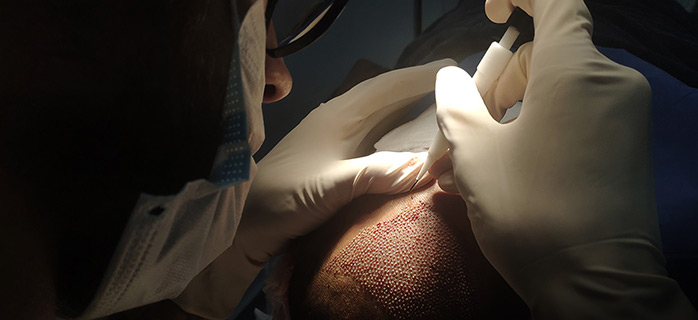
{"type": "Point", "coordinates": [410, 266]}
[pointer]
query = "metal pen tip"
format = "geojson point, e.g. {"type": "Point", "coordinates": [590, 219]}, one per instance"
{"type": "Point", "coordinates": [413, 185]}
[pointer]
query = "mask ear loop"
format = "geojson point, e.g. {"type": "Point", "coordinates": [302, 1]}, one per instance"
{"type": "Point", "coordinates": [232, 162]}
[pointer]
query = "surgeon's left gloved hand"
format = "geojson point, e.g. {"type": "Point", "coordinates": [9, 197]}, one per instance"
{"type": "Point", "coordinates": [314, 171]}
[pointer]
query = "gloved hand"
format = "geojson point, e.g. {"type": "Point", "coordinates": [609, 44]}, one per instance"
{"type": "Point", "coordinates": [314, 170]}
{"type": "Point", "coordinates": [561, 200]}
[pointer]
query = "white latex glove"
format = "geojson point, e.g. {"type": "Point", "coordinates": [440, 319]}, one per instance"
{"type": "Point", "coordinates": [314, 170]}
{"type": "Point", "coordinates": [561, 200]}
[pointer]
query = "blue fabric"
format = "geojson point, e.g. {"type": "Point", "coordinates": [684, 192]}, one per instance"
{"type": "Point", "coordinates": [232, 162]}
{"type": "Point", "coordinates": [660, 32]}
{"type": "Point", "coordinates": [675, 155]}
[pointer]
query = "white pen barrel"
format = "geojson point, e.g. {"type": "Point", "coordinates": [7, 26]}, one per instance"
{"type": "Point", "coordinates": [491, 66]}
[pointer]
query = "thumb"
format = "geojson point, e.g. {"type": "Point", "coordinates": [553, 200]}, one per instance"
{"type": "Point", "coordinates": [442, 169]}
{"type": "Point", "coordinates": [511, 84]}
{"type": "Point", "coordinates": [447, 182]}
{"type": "Point", "coordinates": [460, 111]}
{"type": "Point", "coordinates": [386, 172]}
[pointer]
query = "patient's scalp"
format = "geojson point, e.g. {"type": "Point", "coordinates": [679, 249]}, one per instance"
{"type": "Point", "coordinates": [410, 256]}
{"type": "Point", "coordinates": [340, 297]}
{"type": "Point", "coordinates": [410, 264]}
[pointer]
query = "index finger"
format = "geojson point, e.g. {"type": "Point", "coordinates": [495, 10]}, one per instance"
{"type": "Point", "coordinates": [499, 10]}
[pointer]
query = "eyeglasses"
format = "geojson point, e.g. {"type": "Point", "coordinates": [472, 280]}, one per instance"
{"type": "Point", "coordinates": [298, 23]}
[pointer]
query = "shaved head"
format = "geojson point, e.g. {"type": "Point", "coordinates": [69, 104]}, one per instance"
{"type": "Point", "coordinates": [398, 257]}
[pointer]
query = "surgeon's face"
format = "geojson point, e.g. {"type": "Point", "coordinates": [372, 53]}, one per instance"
{"type": "Point", "coordinates": [113, 98]}
{"type": "Point", "coordinates": [136, 86]}
{"type": "Point", "coordinates": [278, 80]}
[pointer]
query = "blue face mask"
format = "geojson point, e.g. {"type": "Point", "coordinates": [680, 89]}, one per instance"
{"type": "Point", "coordinates": [232, 162]}
{"type": "Point", "coordinates": [242, 105]}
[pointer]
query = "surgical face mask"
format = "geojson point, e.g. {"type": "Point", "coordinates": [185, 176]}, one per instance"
{"type": "Point", "coordinates": [169, 239]}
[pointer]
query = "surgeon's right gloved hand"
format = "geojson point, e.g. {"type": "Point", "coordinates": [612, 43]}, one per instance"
{"type": "Point", "coordinates": [561, 200]}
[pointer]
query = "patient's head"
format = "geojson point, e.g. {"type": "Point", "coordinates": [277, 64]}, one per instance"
{"type": "Point", "coordinates": [410, 256]}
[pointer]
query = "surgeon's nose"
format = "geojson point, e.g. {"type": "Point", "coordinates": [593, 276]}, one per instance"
{"type": "Point", "coordinates": [278, 80]}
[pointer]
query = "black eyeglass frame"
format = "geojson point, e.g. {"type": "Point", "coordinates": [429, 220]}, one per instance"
{"type": "Point", "coordinates": [336, 7]}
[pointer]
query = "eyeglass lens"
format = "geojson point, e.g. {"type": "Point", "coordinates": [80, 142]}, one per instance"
{"type": "Point", "coordinates": [293, 19]}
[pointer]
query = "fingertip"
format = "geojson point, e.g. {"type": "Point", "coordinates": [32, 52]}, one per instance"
{"type": "Point", "coordinates": [451, 72]}
{"type": "Point", "coordinates": [510, 87]}
{"type": "Point", "coordinates": [441, 165]}
{"type": "Point", "coordinates": [498, 11]}
{"type": "Point", "coordinates": [416, 160]}
{"type": "Point", "coordinates": [447, 182]}
{"type": "Point", "coordinates": [453, 87]}
{"type": "Point", "coordinates": [458, 102]}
